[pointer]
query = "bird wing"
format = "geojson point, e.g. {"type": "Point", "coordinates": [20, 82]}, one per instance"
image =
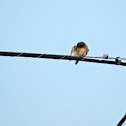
{"type": "Point", "coordinates": [74, 51]}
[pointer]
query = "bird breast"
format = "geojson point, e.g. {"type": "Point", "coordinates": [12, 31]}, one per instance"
{"type": "Point", "coordinates": [81, 51]}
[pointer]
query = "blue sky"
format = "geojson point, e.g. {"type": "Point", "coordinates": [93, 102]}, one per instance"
{"type": "Point", "coordinates": [46, 92]}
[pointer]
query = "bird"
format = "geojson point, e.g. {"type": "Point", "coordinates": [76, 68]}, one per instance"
{"type": "Point", "coordinates": [79, 50]}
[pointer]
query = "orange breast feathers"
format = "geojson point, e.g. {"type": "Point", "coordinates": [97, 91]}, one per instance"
{"type": "Point", "coordinates": [82, 51]}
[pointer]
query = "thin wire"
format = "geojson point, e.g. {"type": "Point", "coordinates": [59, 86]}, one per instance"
{"type": "Point", "coordinates": [104, 58]}
{"type": "Point", "coordinates": [41, 56]}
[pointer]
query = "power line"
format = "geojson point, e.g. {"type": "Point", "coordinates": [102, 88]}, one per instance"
{"type": "Point", "coordinates": [122, 121]}
{"type": "Point", "coordinates": [117, 61]}
{"type": "Point", "coordinates": [105, 57]}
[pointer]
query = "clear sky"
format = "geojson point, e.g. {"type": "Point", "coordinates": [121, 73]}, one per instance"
{"type": "Point", "coordinates": [45, 92]}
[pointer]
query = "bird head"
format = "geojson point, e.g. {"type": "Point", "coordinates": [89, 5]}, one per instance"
{"type": "Point", "coordinates": [80, 44]}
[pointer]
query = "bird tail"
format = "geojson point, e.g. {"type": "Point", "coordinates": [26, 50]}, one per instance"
{"type": "Point", "coordinates": [76, 62]}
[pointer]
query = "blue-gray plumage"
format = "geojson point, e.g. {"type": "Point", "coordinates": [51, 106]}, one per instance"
{"type": "Point", "coordinates": [80, 44]}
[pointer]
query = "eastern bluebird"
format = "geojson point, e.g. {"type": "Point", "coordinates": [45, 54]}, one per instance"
{"type": "Point", "coordinates": [81, 50]}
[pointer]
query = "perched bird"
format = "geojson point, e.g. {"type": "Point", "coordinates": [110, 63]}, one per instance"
{"type": "Point", "coordinates": [81, 50]}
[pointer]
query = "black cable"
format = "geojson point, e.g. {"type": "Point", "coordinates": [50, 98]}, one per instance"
{"type": "Point", "coordinates": [122, 121]}
{"type": "Point", "coordinates": [64, 57]}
